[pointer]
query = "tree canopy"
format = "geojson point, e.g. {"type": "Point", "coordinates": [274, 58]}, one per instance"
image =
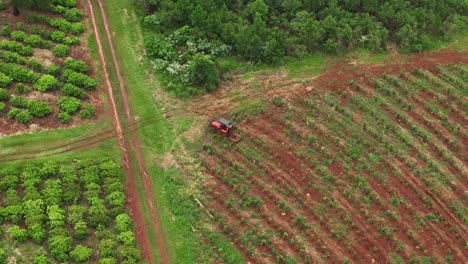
{"type": "Point", "coordinates": [268, 31]}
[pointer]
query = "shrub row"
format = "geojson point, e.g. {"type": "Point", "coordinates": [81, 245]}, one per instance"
{"type": "Point", "coordinates": [17, 73]}
{"type": "Point", "coordinates": [16, 47]}
{"type": "Point", "coordinates": [60, 23]}
{"type": "Point", "coordinates": [78, 79]}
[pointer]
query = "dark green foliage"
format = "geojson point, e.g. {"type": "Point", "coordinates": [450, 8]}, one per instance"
{"type": "Point", "coordinates": [46, 82]}
{"type": "Point", "coordinates": [37, 233]}
{"type": "Point", "coordinates": [75, 214]}
{"type": "Point", "coordinates": [6, 31]}
{"type": "Point", "coordinates": [122, 223]}
{"type": "Point", "coordinates": [53, 70]}
{"type": "Point", "coordinates": [36, 41]}
{"type": "Point", "coordinates": [17, 73]}
{"type": "Point", "coordinates": [13, 57]}
{"type": "Point", "coordinates": [41, 259]}
{"type": "Point", "coordinates": [72, 90]}
{"type": "Point", "coordinates": [79, 79]}
{"type": "Point", "coordinates": [57, 36]}
{"type": "Point", "coordinates": [81, 230]}
{"type": "Point", "coordinates": [269, 31]}
{"type": "Point", "coordinates": [203, 72]}
{"type": "Point", "coordinates": [18, 101]}
{"type": "Point", "coordinates": [69, 104]}
{"type": "Point", "coordinates": [76, 65]}
{"type": "Point", "coordinates": [65, 3]}
{"type": "Point", "coordinates": [77, 28]}
{"type": "Point", "coordinates": [59, 246]}
{"type": "Point", "coordinates": [3, 255]}
{"type": "Point", "coordinates": [52, 192]}
{"type": "Point", "coordinates": [81, 254]}
{"type": "Point", "coordinates": [2, 107]}
{"type": "Point", "coordinates": [64, 117]}
{"type": "Point", "coordinates": [4, 95]}
{"type": "Point", "coordinates": [21, 88]}
{"type": "Point", "coordinates": [87, 112]}
{"type": "Point", "coordinates": [73, 14]}
{"type": "Point", "coordinates": [106, 248]}
{"type": "Point", "coordinates": [61, 50]}
{"type": "Point", "coordinates": [23, 116]}
{"type": "Point", "coordinates": [34, 64]}
{"type": "Point", "coordinates": [18, 35]}
{"type": "Point", "coordinates": [70, 41]}
{"type": "Point", "coordinates": [38, 109]}
{"type": "Point", "coordinates": [18, 233]}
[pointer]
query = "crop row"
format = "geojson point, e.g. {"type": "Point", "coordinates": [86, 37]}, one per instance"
{"type": "Point", "coordinates": [69, 207]}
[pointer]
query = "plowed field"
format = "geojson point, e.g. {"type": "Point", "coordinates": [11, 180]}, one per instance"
{"type": "Point", "coordinates": [364, 165]}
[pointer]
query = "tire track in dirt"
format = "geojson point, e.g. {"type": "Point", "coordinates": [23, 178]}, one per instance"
{"type": "Point", "coordinates": [132, 201]}
{"type": "Point", "coordinates": [134, 143]}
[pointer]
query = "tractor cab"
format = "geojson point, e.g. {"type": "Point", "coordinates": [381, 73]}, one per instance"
{"type": "Point", "coordinates": [225, 129]}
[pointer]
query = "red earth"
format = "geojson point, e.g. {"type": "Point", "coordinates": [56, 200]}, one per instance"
{"type": "Point", "coordinates": [290, 188]}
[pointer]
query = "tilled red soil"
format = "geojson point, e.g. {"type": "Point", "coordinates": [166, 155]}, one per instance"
{"type": "Point", "coordinates": [291, 190]}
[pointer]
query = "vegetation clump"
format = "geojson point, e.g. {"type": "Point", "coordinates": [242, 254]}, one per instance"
{"type": "Point", "coordinates": [268, 32]}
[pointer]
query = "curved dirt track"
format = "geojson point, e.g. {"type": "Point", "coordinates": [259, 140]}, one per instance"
{"type": "Point", "coordinates": [130, 184]}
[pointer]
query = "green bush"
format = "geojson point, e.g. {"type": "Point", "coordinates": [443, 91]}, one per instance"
{"type": "Point", "coordinates": [4, 95]}
{"type": "Point", "coordinates": [69, 104]}
{"type": "Point", "coordinates": [81, 254]}
{"type": "Point", "coordinates": [6, 30]}
{"type": "Point", "coordinates": [71, 90]}
{"type": "Point", "coordinates": [107, 261]}
{"type": "Point", "coordinates": [18, 35]}
{"type": "Point", "coordinates": [3, 255]}
{"type": "Point", "coordinates": [79, 79]}
{"type": "Point", "coordinates": [18, 101]}
{"type": "Point", "coordinates": [76, 65]}
{"type": "Point", "coordinates": [57, 36]}
{"type": "Point", "coordinates": [41, 259]}
{"type": "Point", "coordinates": [70, 41]}
{"type": "Point", "coordinates": [61, 24]}
{"type": "Point", "coordinates": [2, 7]}
{"type": "Point", "coordinates": [77, 28]}
{"type": "Point", "coordinates": [64, 117]}
{"type": "Point", "coordinates": [21, 88]}
{"type": "Point", "coordinates": [127, 238]}
{"type": "Point", "coordinates": [37, 232]}
{"type": "Point", "coordinates": [13, 112]}
{"type": "Point", "coordinates": [18, 233]}
{"type": "Point", "coordinates": [53, 70]}
{"type": "Point", "coordinates": [17, 73]}
{"type": "Point", "coordinates": [38, 109]}
{"type": "Point", "coordinates": [36, 41]}
{"type": "Point", "coordinates": [81, 230]}
{"type": "Point", "coordinates": [46, 82]}
{"type": "Point", "coordinates": [61, 50]}
{"type": "Point", "coordinates": [73, 14]}
{"type": "Point", "coordinates": [23, 117]}
{"type": "Point", "coordinates": [59, 246]}
{"type": "Point", "coordinates": [21, 26]}
{"type": "Point", "coordinates": [2, 107]}
{"type": "Point", "coordinates": [34, 64]}
{"type": "Point", "coordinates": [5, 80]}
{"type": "Point", "coordinates": [87, 112]}
{"type": "Point", "coordinates": [11, 56]}
{"type": "Point", "coordinates": [65, 3]}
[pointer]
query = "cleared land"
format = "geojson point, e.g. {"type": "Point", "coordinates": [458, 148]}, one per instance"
{"type": "Point", "coordinates": [367, 164]}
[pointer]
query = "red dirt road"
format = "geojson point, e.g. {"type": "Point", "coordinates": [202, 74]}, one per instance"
{"type": "Point", "coordinates": [133, 202]}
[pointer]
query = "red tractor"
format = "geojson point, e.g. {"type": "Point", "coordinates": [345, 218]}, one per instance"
{"type": "Point", "coordinates": [225, 129]}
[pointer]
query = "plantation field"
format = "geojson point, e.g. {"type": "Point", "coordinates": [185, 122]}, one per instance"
{"type": "Point", "coordinates": [365, 164]}
{"type": "Point", "coordinates": [46, 78]}
{"type": "Point", "coordinates": [73, 212]}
